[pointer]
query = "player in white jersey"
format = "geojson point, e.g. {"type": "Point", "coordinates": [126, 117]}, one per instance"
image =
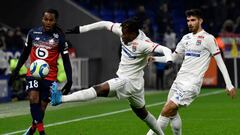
{"type": "Point", "coordinates": [196, 49]}
{"type": "Point", "coordinates": [130, 83]}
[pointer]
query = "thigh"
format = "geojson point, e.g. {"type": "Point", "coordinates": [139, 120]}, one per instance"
{"type": "Point", "coordinates": [117, 88]}
{"type": "Point", "coordinates": [183, 95]}
{"type": "Point", "coordinates": [44, 90]}
{"type": "Point", "coordinates": [137, 100]}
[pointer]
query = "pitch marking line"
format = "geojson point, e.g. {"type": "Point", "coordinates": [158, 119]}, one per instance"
{"type": "Point", "coordinates": [105, 114]}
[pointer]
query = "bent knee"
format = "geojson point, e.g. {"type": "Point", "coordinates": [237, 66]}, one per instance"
{"type": "Point", "coordinates": [102, 90]}
{"type": "Point", "coordinates": [170, 109]}
{"type": "Point", "coordinates": [34, 97]}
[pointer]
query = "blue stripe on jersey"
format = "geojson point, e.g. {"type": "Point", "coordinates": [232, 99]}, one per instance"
{"type": "Point", "coordinates": [192, 54]}
{"type": "Point", "coordinates": [129, 55]}
{"type": "Point", "coordinates": [129, 50]}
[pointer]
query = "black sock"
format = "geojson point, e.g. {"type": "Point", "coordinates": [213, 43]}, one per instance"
{"type": "Point", "coordinates": [36, 112]}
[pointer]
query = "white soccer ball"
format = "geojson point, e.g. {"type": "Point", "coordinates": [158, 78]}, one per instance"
{"type": "Point", "coordinates": [39, 69]}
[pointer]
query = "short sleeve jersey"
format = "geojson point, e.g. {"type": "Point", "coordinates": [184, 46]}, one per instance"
{"type": "Point", "coordinates": [197, 50]}
{"type": "Point", "coordinates": [134, 54]}
{"type": "Point", "coordinates": [46, 46]}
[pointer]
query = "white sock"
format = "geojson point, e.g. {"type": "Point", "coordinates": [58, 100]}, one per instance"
{"type": "Point", "coordinates": [176, 124]}
{"type": "Point", "coordinates": [82, 95]}
{"type": "Point", "coordinates": [162, 122]}
{"type": "Point", "coordinates": [152, 124]}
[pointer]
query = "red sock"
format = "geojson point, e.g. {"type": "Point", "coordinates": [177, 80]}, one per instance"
{"type": "Point", "coordinates": [40, 127]}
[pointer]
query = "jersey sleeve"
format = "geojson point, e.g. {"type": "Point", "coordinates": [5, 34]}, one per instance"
{"type": "Point", "coordinates": [28, 42]}
{"type": "Point", "coordinates": [116, 28]}
{"type": "Point", "coordinates": [148, 46]}
{"type": "Point", "coordinates": [63, 46]}
{"type": "Point", "coordinates": [107, 25]}
{"type": "Point", "coordinates": [180, 47]}
{"type": "Point", "coordinates": [212, 46]}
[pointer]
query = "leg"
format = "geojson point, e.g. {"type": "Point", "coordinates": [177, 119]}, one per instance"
{"type": "Point", "coordinates": [100, 90]}
{"type": "Point", "coordinates": [176, 124]}
{"type": "Point", "coordinates": [36, 111]}
{"type": "Point", "coordinates": [169, 110]}
{"type": "Point", "coordinates": [148, 118]}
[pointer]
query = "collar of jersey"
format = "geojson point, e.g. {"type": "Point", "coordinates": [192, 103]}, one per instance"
{"type": "Point", "coordinates": [199, 33]}
{"type": "Point", "coordinates": [138, 37]}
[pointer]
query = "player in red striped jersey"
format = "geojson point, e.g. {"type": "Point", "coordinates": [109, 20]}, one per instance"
{"type": "Point", "coordinates": [46, 43]}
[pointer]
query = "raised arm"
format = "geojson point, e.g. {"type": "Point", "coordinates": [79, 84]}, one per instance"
{"type": "Point", "coordinates": [101, 25]}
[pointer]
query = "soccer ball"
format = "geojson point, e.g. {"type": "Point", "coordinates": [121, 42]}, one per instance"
{"type": "Point", "coordinates": [39, 69]}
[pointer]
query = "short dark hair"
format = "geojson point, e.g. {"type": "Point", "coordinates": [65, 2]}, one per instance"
{"type": "Point", "coordinates": [132, 24]}
{"type": "Point", "coordinates": [194, 12]}
{"type": "Point", "coordinates": [52, 11]}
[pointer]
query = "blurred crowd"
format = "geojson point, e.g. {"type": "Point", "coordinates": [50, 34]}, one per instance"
{"type": "Point", "coordinates": [163, 18]}
{"type": "Point", "coordinates": [11, 39]}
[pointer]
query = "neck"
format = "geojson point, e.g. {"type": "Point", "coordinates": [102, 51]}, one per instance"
{"type": "Point", "coordinates": [199, 29]}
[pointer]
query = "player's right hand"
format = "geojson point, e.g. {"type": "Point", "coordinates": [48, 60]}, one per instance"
{"type": "Point", "coordinates": [74, 30]}
{"type": "Point", "coordinates": [150, 60]}
{"type": "Point", "coordinates": [12, 78]}
{"type": "Point", "coordinates": [232, 93]}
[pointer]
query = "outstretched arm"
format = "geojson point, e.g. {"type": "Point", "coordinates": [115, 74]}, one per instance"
{"type": "Point", "coordinates": [101, 25]}
{"type": "Point", "coordinates": [163, 59]}
{"type": "Point", "coordinates": [166, 51]}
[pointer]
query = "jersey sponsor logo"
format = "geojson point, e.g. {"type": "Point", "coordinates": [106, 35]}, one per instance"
{"type": "Point", "coordinates": [37, 32]}
{"type": "Point", "coordinates": [37, 38]}
{"type": "Point", "coordinates": [201, 37]}
{"type": "Point", "coordinates": [41, 53]}
{"type": "Point", "coordinates": [199, 42]}
{"type": "Point", "coordinates": [192, 54]}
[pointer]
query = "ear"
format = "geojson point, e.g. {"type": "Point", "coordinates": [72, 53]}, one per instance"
{"type": "Point", "coordinates": [201, 20]}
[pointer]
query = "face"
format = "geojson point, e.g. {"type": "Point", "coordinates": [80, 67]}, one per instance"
{"type": "Point", "coordinates": [194, 24]}
{"type": "Point", "coordinates": [48, 21]}
{"type": "Point", "coordinates": [127, 36]}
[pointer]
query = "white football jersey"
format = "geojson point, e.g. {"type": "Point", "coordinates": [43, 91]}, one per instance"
{"type": "Point", "coordinates": [197, 50]}
{"type": "Point", "coordinates": [134, 54]}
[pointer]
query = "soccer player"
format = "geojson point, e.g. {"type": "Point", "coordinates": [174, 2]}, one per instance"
{"type": "Point", "coordinates": [46, 43]}
{"type": "Point", "coordinates": [130, 83]}
{"type": "Point", "coordinates": [196, 48]}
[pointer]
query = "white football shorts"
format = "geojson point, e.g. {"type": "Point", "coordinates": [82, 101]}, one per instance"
{"type": "Point", "coordinates": [183, 94]}
{"type": "Point", "coordinates": [128, 89]}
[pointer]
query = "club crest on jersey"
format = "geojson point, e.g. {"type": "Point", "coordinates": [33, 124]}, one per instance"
{"type": "Point", "coordinates": [51, 41]}
{"type": "Point", "coordinates": [55, 35]}
{"type": "Point", "coordinates": [198, 42]}
{"type": "Point", "coordinates": [134, 47]}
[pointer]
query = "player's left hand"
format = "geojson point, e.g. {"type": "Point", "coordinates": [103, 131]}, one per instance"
{"type": "Point", "coordinates": [169, 65]}
{"type": "Point", "coordinates": [66, 89]}
{"type": "Point", "coordinates": [74, 30]}
{"type": "Point", "coordinates": [150, 60]}
{"type": "Point", "coordinates": [232, 93]}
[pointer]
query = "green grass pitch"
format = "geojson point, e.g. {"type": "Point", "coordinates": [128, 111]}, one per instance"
{"type": "Point", "coordinates": [213, 113]}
